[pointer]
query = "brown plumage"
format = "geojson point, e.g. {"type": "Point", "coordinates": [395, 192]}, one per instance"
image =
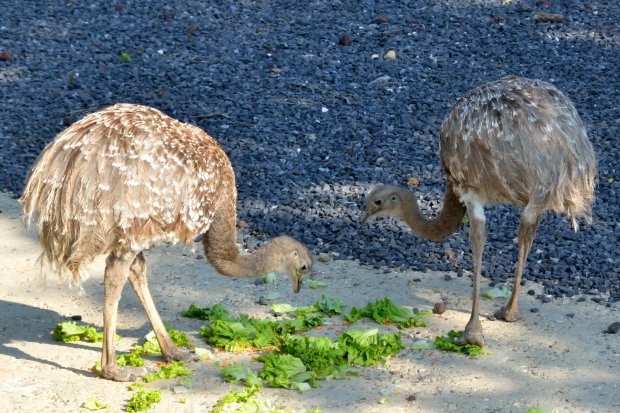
{"type": "Point", "coordinates": [125, 177]}
{"type": "Point", "coordinates": [514, 141]}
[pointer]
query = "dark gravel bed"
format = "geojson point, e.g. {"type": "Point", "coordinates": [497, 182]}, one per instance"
{"type": "Point", "coordinates": [312, 112]}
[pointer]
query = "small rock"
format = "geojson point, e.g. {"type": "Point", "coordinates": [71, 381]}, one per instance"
{"type": "Point", "coordinates": [613, 328]}
{"type": "Point", "coordinates": [545, 298]}
{"type": "Point", "coordinates": [412, 398]}
{"type": "Point", "coordinates": [459, 273]}
{"type": "Point", "coordinates": [391, 54]}
{"type": "Point", "coordinates": [5, 56]}
{"type": "Point", "coordinates": [374, 56]}
{"type": "Point", "coordinates": [200, 257]}
{"type": "Point", "coordinates": [242, 224]}
{"type": "Point", "coordinates": [447, 277]}
{"type": "Point", "coordinates": [324, 257]}
{"type": "Point", "coordinates": [312, 137]}
{"type": "Point", "coordinates": [531, 292]}
{"type": "Point", "coordinates": [449, 252]}
{"type": "Point", "coordinates": [261, 301]}
{"type": "Point", "coordinates": [259, 281]}
{"type": "Point", "coordinates": [439, 308]}
{"type": "Point", "coordinates": [534, 309]}
{"type": "Point", "coordinates": [543, 17]}
{"type": "Point", "coordinates": [382, 20]}
{"type": "Point", "coordinates": [345, 41]}
{"type": "Point", "coordinates": [570, 315]}
{"type": "Point", "coordinates": [417, 280]}
{"type": "Point", "coordinates": [76, 317]}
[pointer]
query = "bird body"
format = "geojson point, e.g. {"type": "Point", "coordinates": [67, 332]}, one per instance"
{"type": "Point", "coordinates": [513, 141]}
{"type": "Point", "coordinates": [122, 179]}
{"type": "Point", "coordinates": [519, 141]}
{"type": "Point", "coordinates": [125, 177]}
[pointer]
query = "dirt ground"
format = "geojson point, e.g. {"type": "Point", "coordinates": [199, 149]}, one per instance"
{"type": "Point", "coordinates": [558, 358]}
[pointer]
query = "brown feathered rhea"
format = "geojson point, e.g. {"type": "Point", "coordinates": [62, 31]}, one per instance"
{"type": "Point", "coordinates": [125, 177]}
{"type": "Point", "coordinates": [511, 141]}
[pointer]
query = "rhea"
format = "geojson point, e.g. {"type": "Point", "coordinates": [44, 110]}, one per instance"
{"type": "Point", "coordinates": [511, 141]}
{"type": "Point", "coordinates": [125, 177]}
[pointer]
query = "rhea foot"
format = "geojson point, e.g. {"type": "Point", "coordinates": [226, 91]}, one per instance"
{"type": "Point", "coordinates": [508, 313]}
{"type": "Point", "coordinates": [472, 334]}
{"type": "Point", "coordinates": [125, 373]}
{"type": "Point", "coordinates": [181, 354]}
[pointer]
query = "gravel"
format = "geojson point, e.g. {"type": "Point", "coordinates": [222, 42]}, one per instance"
{"type": "Point", "coordinates": [313, 111]}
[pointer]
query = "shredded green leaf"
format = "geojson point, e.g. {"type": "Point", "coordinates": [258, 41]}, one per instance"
{"type": "Point", "coordinates": [329, 306]}
{"type": "Point", "coordinates": [319, 354]}
{"type": "Point", "coordinates": [174, 369]}
{"type": "Point", "coordinates": [217, 312]}
{"type": "Point", "coordinates": [385, 311]}
{"type": "Point", "coordinates": [235, 397]}
{"type": "Point", "coordinates": [240, 373]}
{"type": "Point", "coordinates": [143, 400]}
{"type": "Point", "coordinates": [68, 331]}
{"type": "Point", "coordinates": [368, 347]}
{"type": "Point", "coordinates": [93, 404]}
{"type": "Point", "coordinates": [448, 343]}
{"type": "Point", "coordinates": [284, 370]}
{"type": "Point", "coordinates": [314, 284]}
{"type": "Point", "coordinates": [135, 386]}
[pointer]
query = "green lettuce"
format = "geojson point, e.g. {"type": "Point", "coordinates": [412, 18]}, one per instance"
{"type": "Point", "coordinates": [174, 369]}
{"type": "Point", "coordinates": [448, 343]}
{"type": "Point", "coordinates": [143, 400]}
{"type": "Point", "coordinates": [368, 347]}
{"type": "Point", "coordinates": [286, 371]}
{"type": "Point", "coordinates": [70, 331]}
{"type": "Point", "coordinates": [235, 397]}
{"type": "Point", "coordinates": [385, 311]}
{"type": "Point", "coordinates": [319, 354]}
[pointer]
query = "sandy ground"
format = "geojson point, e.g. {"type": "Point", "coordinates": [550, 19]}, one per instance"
{"type": "Point", "coordinates": [557, 359]}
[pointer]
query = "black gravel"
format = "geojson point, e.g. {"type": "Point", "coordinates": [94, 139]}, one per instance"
{"type": "Point", "coordinates": [311, 121]}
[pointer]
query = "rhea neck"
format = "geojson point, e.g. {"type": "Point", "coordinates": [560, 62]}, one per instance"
{"type": "Point", "coordinates": [220, 247]}
{"type": "Point", "coordinates": [444, 225]}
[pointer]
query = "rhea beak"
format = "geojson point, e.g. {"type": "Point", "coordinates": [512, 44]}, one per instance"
{"type": "Point", "coordinates": [298, 281]}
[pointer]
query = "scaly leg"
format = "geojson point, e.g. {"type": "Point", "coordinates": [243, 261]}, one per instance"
{"type": "Point", "coordinates": [478, 237]}
{"type": "Point", "coordinates": [116, 271]}
{"type": "Point", "coordinates": [137, 278]}
{"type": "Point", "coordinates": [527, 233]}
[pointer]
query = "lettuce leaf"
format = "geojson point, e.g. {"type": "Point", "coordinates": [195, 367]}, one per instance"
{"type": "Point", "coordinates": [235, 397]}
{"type": "Point", "coordinates": [69, 331]}
{"type": "Point", "coordinates": [217, 312]}
{"type": "Point", "coordinates": [368, 347]}
{"type": "Point", "coordinates": [319, 354]}
{"type": "Point", "coordinates": [143, 400]}
{"type": "Point", "coordinates": [286, 371]}
{"type": "Point", "coordinates": [174, 369]}
{"type": "Point", "coordinates": [93, 404]}
{"type": "Point", "coordinates": [385, 311]}
{"type": "Point", "coordinates": [448, 343]}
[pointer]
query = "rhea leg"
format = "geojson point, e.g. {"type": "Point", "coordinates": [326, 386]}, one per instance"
{"type": "Point", "coordinates": [478, 237]}
{"type": "Point", "coordinates": [137, 278]}
{"type": "Point", "coordinates": [527, 233]}
{"type": "Point", "coordinates": [116, 272]}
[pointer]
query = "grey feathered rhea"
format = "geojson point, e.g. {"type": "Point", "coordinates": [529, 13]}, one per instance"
{"type": "Point", "coordinates": [125, 177]}
{"type": "Point", "coordinates": [512, 141]}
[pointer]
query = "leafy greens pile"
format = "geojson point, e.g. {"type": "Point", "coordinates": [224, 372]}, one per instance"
{"type": "Point", "coordinates": [385, 312]}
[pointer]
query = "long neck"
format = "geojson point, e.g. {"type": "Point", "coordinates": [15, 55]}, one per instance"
{"type": "Point", "coordinates": [220, 247]}
{"type": "Point", "coordinates": [446, 223]}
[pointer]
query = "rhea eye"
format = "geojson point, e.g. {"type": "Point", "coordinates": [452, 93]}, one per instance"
{"type": "Point", "coordinates": [295, 254]}
{"type": "Point", "coordinates": [377, 202]}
